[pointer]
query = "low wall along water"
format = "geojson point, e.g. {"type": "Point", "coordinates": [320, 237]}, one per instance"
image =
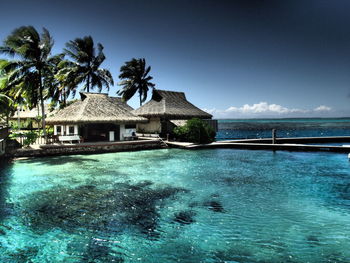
{"type": "Point", "coordinates": [86, 148]}
{"type": "Point", "coordinates": [3, 135]}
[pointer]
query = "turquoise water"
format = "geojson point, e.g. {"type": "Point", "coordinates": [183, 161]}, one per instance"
{"type": "Point", "coordinates": [174, 205]}
{"type": "Point", "coordinates": [261, 128]}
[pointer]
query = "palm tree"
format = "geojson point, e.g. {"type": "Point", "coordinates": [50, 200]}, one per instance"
{"type": "Point", "coordinates": [22, 88]}
{"type": "Point", "coordinates": [87, 64]}
{"type": "Point", "coordinates": [6, 107]}
{"type": "Point", "coordinates": [27, 74]}
{"type": "Point", "coordinates": [134, 76]}
{"type": "Point", "coordinates": [60, 84]}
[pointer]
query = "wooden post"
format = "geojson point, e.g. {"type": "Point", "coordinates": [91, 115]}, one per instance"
{"type": "Point", "coordinates": [273, 136]}
{"type": "Point", "coordinates": [167, 136]}
{"type": "Point", "coordinates": [18, 118]}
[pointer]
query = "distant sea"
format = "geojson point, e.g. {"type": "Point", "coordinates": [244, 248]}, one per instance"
{"type": "Point", "coordinates": [262, 128]}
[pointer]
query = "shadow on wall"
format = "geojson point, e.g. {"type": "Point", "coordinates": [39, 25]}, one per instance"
{"type": "Point", "coordinates": [5, 208]}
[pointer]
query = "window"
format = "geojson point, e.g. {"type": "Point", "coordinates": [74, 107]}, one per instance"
{"type": "Point", "coordinates": [71, 129]}
{"type": "Point", "coordinates": [59, 130]}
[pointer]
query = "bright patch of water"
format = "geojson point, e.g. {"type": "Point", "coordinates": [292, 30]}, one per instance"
{"type": "Point", "coordinates": [173, 205]}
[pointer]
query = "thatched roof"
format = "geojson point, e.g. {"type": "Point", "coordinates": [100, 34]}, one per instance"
{"type": "Point", "coordinates": [170, 105]}
{"type": "Point", "coordinates": [179, 123]}
{"type": "Point", "coordinates": [31, 113]}
{"type": "Point", "coordinates": [95, 108]}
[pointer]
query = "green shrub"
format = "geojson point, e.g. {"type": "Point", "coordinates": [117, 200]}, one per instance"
{"type": "Point", "coordinates": [15, 135]}
{"type": "Point", "coordinates": [196, 131]}
{"type": "Point", "coordinates": [14, 125]}
{"type": "Point", "coordinates": [30, 138]}
{"type": "Point", "coordinates": [49, 130]}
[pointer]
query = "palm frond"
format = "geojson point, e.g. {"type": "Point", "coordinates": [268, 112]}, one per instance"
{"type": "Point", "coordinates": [86, 68]}
{"type": "Point", "coordinates": [134, 76]}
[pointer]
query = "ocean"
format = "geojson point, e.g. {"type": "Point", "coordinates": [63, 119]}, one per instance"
{"type": "Point", "coordinates": [262, 128]}
{"type": "Point", "coordinates": [173, 205]}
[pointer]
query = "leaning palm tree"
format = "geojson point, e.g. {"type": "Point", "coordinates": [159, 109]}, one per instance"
{"type": "Point", "coordinates": [27, 73]}
{"type": "Point", "coordinates": [134, 76]}
{"type": "Point", "coordinates": [87, 62]}
{"type": "Point", "coordinates": [60, 85]}
{"type": "Point", "coordinates": [6, 105]}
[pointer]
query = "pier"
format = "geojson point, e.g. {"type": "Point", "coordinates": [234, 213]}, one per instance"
{"type": "Point", "coordinates": [281, 144]}
{"type": "Point", "coordinates": [329, 139]}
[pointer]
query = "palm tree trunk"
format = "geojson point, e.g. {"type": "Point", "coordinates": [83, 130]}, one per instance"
{"type": "Point", "coordinates": [42, 105]}
{"type": "Point", "coordinates": [64, 97]}
{"type": "Point", "coordinates": [88, 79]}
{"type": "Point", "coordinates": [140, 98]}
{"type": "Point", "coordinates": [88, 83]}
{"type": "Point", "coordinates": [38, 120]}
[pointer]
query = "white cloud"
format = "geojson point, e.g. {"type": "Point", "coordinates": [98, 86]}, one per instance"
{"type": "Point", "coordinates": [323, 108]}
{"type": "Point", "coordinates": [264, 109]}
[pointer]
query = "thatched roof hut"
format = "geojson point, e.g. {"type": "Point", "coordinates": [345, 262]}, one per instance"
{"type": "Point", "coordinates": [25, 113]}
{"type": "Point", "coordinates": [170, 105]}
{"type": "Point", "coordinates": [95, 108]}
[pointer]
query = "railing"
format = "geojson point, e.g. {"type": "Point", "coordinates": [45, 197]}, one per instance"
{"type": "Point", "coordinates": [152, 135]}
{"type": "Point", "coordinates": [162, 141]}
{"type": "Point", "coordinates": [40, 140]}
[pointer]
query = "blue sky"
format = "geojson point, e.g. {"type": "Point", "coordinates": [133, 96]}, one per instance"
{"type": "Point", "coordinates": [235, 59]}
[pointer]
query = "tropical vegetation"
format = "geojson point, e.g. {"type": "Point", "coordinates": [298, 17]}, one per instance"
{"type": "Point", "coordinates": [135, 78]}
{"type": "Point", "coordinates": [86, 64]}
{"type": "Point", "coordinates": [6, 108]}
{"type": "Point", "coordinates": [196, 131]}
{"type": "Point", "coordinates": [31, 76]}
{"type": "Point", "coordinates": [31, 69]}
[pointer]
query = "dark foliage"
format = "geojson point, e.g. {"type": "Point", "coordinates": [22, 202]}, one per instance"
{"type": "Point", "coordinates": [135, 78]}
{"type": "Point", "coordinates": [86, 65]}
{"type": "Point", "coordinates": [196, 131]}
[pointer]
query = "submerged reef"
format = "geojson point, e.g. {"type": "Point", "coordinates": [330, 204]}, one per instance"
{"type": "Point", "coordinates": [22, 255]}
{"type": "Point", "coordinates": [108, 210]}
{"type": "Point", "coordinates": [185, 217]}
{"type": "Point", "coordinates": [215, 206]}
{"type": "Point", "coordinates": [96, 251]}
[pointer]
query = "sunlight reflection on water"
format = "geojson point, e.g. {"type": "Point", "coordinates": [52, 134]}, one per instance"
{"type": "Point", "coordinates": [177, 206]}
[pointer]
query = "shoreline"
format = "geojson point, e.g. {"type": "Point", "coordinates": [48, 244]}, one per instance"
{"type": "Point", "coordinates": [282, 144]}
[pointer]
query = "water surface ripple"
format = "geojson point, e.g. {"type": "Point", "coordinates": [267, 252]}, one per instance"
{"type": "Point", "coordinates": [174, 205]}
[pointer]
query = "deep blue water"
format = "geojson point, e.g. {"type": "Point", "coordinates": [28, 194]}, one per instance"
{"type": "Point", "coordinates": [172, 205]}
{"type": "Point", "coordinates": [262, 128]}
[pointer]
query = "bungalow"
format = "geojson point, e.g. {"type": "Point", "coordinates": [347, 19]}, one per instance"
{"type": "Point", "coordinates": [28, 118]}
{"type": "Point", "coordinates": [96, 117]}
{"type": "Point", "coordinates": [168, 109]}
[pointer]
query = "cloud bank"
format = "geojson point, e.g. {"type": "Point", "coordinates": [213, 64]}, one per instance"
{"type": "Point", "coordinates": [264, 109]}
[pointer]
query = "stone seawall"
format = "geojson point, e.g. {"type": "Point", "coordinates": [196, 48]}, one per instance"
{"type": "Point", "coordinates": [4, 132]}
{"type": "Point", "coordinates": [54, 150]}
{"type": "Point", "coordinates": [2, 147]}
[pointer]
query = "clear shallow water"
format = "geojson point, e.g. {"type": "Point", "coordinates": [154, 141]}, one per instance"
{"type": "Point", "coordinates": [177, 206]}
{"type": "Point", "coordinates": [261, 128]}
